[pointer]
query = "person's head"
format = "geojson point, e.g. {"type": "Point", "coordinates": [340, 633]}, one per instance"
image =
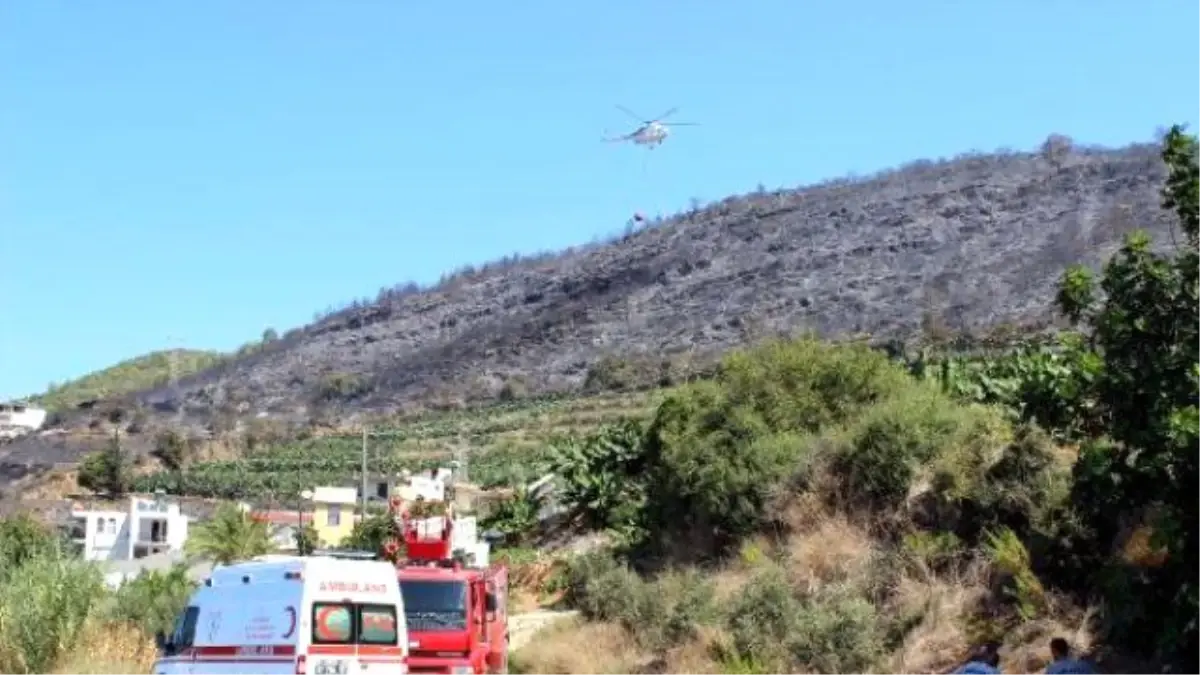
{"type": "Point", "coordinates": [1059, 648]}
{"type": "Point", "coordinates": [988, 653]}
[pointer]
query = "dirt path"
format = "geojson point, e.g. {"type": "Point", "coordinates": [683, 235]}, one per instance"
{"type": "Point", "coordinates": [522, 627]}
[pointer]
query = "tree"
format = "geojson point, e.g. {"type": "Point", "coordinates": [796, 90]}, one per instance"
{"type": "Point", "coordinates": [1146, 330]}
{"type": "Point", "coordinates": [106, 471]}
{"type": "Point", "coordinates": [307, 539]}
{"type": "Point", "coordinates": [370, 533]}
{"type": "Point", "coordinates": [172, 449]}
{"type": "Point", "coordinates": [229, 536]}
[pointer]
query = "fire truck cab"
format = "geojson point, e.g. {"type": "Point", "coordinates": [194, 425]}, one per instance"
{"type": "Point", "coordinates": [291, 614]}
{"type": "Point", "coordinates": [455, 603]}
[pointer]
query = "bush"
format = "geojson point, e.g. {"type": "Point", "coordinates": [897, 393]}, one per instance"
{"type": "Point", "coordinates": [50, 603]}
{"type": "Point", "coordinates": [44, 606]}
{"type": "Point", "coordinates": [832, 630]}
{"type": "Point", "coordinates": [660, 613]}
{"type": "Point", "coordinates": [603, 474]}
{"type": "Point", "coordinates": [895, 440]}
{"type": "Point", "coordinates": [719, 449]}
{"type": "Point", "coordinates": [153, 599]}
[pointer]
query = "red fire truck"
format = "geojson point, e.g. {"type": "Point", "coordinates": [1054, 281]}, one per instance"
{"type": "Point", "coordinates": [455, 607]}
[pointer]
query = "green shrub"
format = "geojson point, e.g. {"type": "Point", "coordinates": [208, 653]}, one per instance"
{"type": "Point", "coordinates": [44, 605]}
{"type": "Point", "coordinates": [153, 599]}
{"type": "Point", "coordinates": [661, 613]}
{"type": "Point", "coordinates": [893, 442]}
{"type": "Point", "coordinates": [603, 474]}
{"type": "Point", "coordinates": [835, 629]}
{"type": "Point", "coordinates": [23, 540]}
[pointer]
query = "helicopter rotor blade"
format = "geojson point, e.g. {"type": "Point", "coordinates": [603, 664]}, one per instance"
{"type": "Point", "coordinates": [680, 124]}
{"type": "Point", "coordinates": [632, 114]}
{"type": "Point", "coordinates": [667, 114]}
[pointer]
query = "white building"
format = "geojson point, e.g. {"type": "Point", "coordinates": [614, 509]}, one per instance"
{"type": "Point", "coordinates": [18, 419]}
{"type": "Point", "coordinates": [148, 527]}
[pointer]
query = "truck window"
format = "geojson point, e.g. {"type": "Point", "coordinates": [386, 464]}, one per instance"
{"type": "Point", "coordinates": [377, 625]}
{"type": "Point", "coordinates": [434, 605]}
{"type": "Point", "coordinates": [344, 623]}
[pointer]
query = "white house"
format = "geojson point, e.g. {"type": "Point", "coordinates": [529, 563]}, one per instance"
{"type": "Point", "coordinates": [147, 527]}
{"type": "Point", "coordinates": [382, 486]}
{"type": "Point", "coordinates": [18, 419]}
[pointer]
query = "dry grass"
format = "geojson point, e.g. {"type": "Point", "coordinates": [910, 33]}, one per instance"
{"type": "Point", "coordinates": [832, 550]}
{"type": "Point", "coordinates": [109, 648]}
{"type": "Point", "coordinates": [579, 647]}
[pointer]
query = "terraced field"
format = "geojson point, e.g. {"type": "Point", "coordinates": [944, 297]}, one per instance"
{"type": "Point", "coordinates": [502, 444]}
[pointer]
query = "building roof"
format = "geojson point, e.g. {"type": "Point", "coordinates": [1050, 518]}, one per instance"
{"type": "Point", "coordinates": [335, 495]}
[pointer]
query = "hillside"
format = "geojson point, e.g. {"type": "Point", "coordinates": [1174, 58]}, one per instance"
{"type": "Point", "coordinates": [129, 376]}
{"type": "Point", "coordinates": [963, 244]}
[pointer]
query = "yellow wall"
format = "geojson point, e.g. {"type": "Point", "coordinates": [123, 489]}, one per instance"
{"type": "Point", "coordinates": [332, 535]}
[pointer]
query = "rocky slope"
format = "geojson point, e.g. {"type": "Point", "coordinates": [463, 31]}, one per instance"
{"type": "Point", "coordinates": [971, 242]}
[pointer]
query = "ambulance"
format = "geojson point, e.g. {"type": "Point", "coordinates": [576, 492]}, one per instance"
{"type": "Point", "coordinates": [314, 615]}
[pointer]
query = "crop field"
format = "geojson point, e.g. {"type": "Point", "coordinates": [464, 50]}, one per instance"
{"type": "Point", "coordinates": [503, 444]}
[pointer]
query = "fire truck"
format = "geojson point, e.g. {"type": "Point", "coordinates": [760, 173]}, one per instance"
{"type": "Point", "coordinates": [455, 602]}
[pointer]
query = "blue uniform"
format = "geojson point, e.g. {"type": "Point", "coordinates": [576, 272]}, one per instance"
{"type": "Point", "coordinates": [1070, 667]}
{"type": "Point", "coordinates": [977, 668]}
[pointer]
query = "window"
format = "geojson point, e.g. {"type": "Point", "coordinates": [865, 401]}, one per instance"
{"type": "Point", "coordinates": [434, 605]}
{"type": "Point", "coordinates": [112, 526]}
{"type": "Point", "coordinates": [333, 516]}
{"type": "Point", "coordinates": [333, 623]}
{"type": "Point", "coordinates": [350, 623]}
{"type": "Point", "coordinates": [377, 625]}
{"type": "Point", "coordinates": [381, 490]}
{"type": "Point", "coordinates": [184, 633]}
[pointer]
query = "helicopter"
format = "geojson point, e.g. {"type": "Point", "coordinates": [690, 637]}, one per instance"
{"type": "Point", "coordinates": [652, 132]}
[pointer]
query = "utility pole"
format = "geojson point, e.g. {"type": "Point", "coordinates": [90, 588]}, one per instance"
{"type": "Point", "coordinates": [362, 499]}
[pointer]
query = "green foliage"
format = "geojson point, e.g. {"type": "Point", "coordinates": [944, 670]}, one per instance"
{"type": "Point", "coordinates": [369, 533]}
{"type": "Point", "coordinates": [153, 599]}
{"type": "Point", "coordinates": [1049, 384]}
{"type": "Point", "coordinates": [47, 598]}
{"type": "Point", "coordinates": [602, 474]}
{"type": "Point", "coordinates": [229, 536]}
{"type": "Point", "coordinates": [893, 442]}
{"type": "Point", "coordinates": [106, 471]}
{"type": "Point", "coordinates": [306, 539]}
{"type": "Point", "coordinates": [1018, 583]}
{"type": "Point", "coordinates": [718, 449]}
{"type": "Point", "coordinates": [23, 539]}
{"type": "Point", "coordinates": [1147, 331]}
{"type": "Point", "coordinates": [44, 605]}
{"type": "Point", "coordinates": [516, 517]}
{"type": "Point", "coordinates": [659, 613]}
{"type": "Point", "coordinates": [172, 448]}
{"type": "Point", "coordinates": [833, 629]}
{"type": "Point", "coordinates": [126, 377]}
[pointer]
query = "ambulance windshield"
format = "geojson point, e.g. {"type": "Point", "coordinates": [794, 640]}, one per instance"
{"type": "Point", "coordinates": [434, 605]}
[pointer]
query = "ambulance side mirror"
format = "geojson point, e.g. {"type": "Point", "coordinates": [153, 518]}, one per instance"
{"type": "Point", "coordinates": [160, 640]}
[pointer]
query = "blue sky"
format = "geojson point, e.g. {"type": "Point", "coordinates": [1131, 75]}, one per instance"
{"type": "Point", "coordinates": [188, 174]}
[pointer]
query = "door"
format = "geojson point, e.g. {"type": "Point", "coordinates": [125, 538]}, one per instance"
{"type": "Point", "coordinates": [496, 621]}
{"type": "Point", "coordinates": [381, 647]}
{"type": "Point", "coordinates": [355, 639]}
